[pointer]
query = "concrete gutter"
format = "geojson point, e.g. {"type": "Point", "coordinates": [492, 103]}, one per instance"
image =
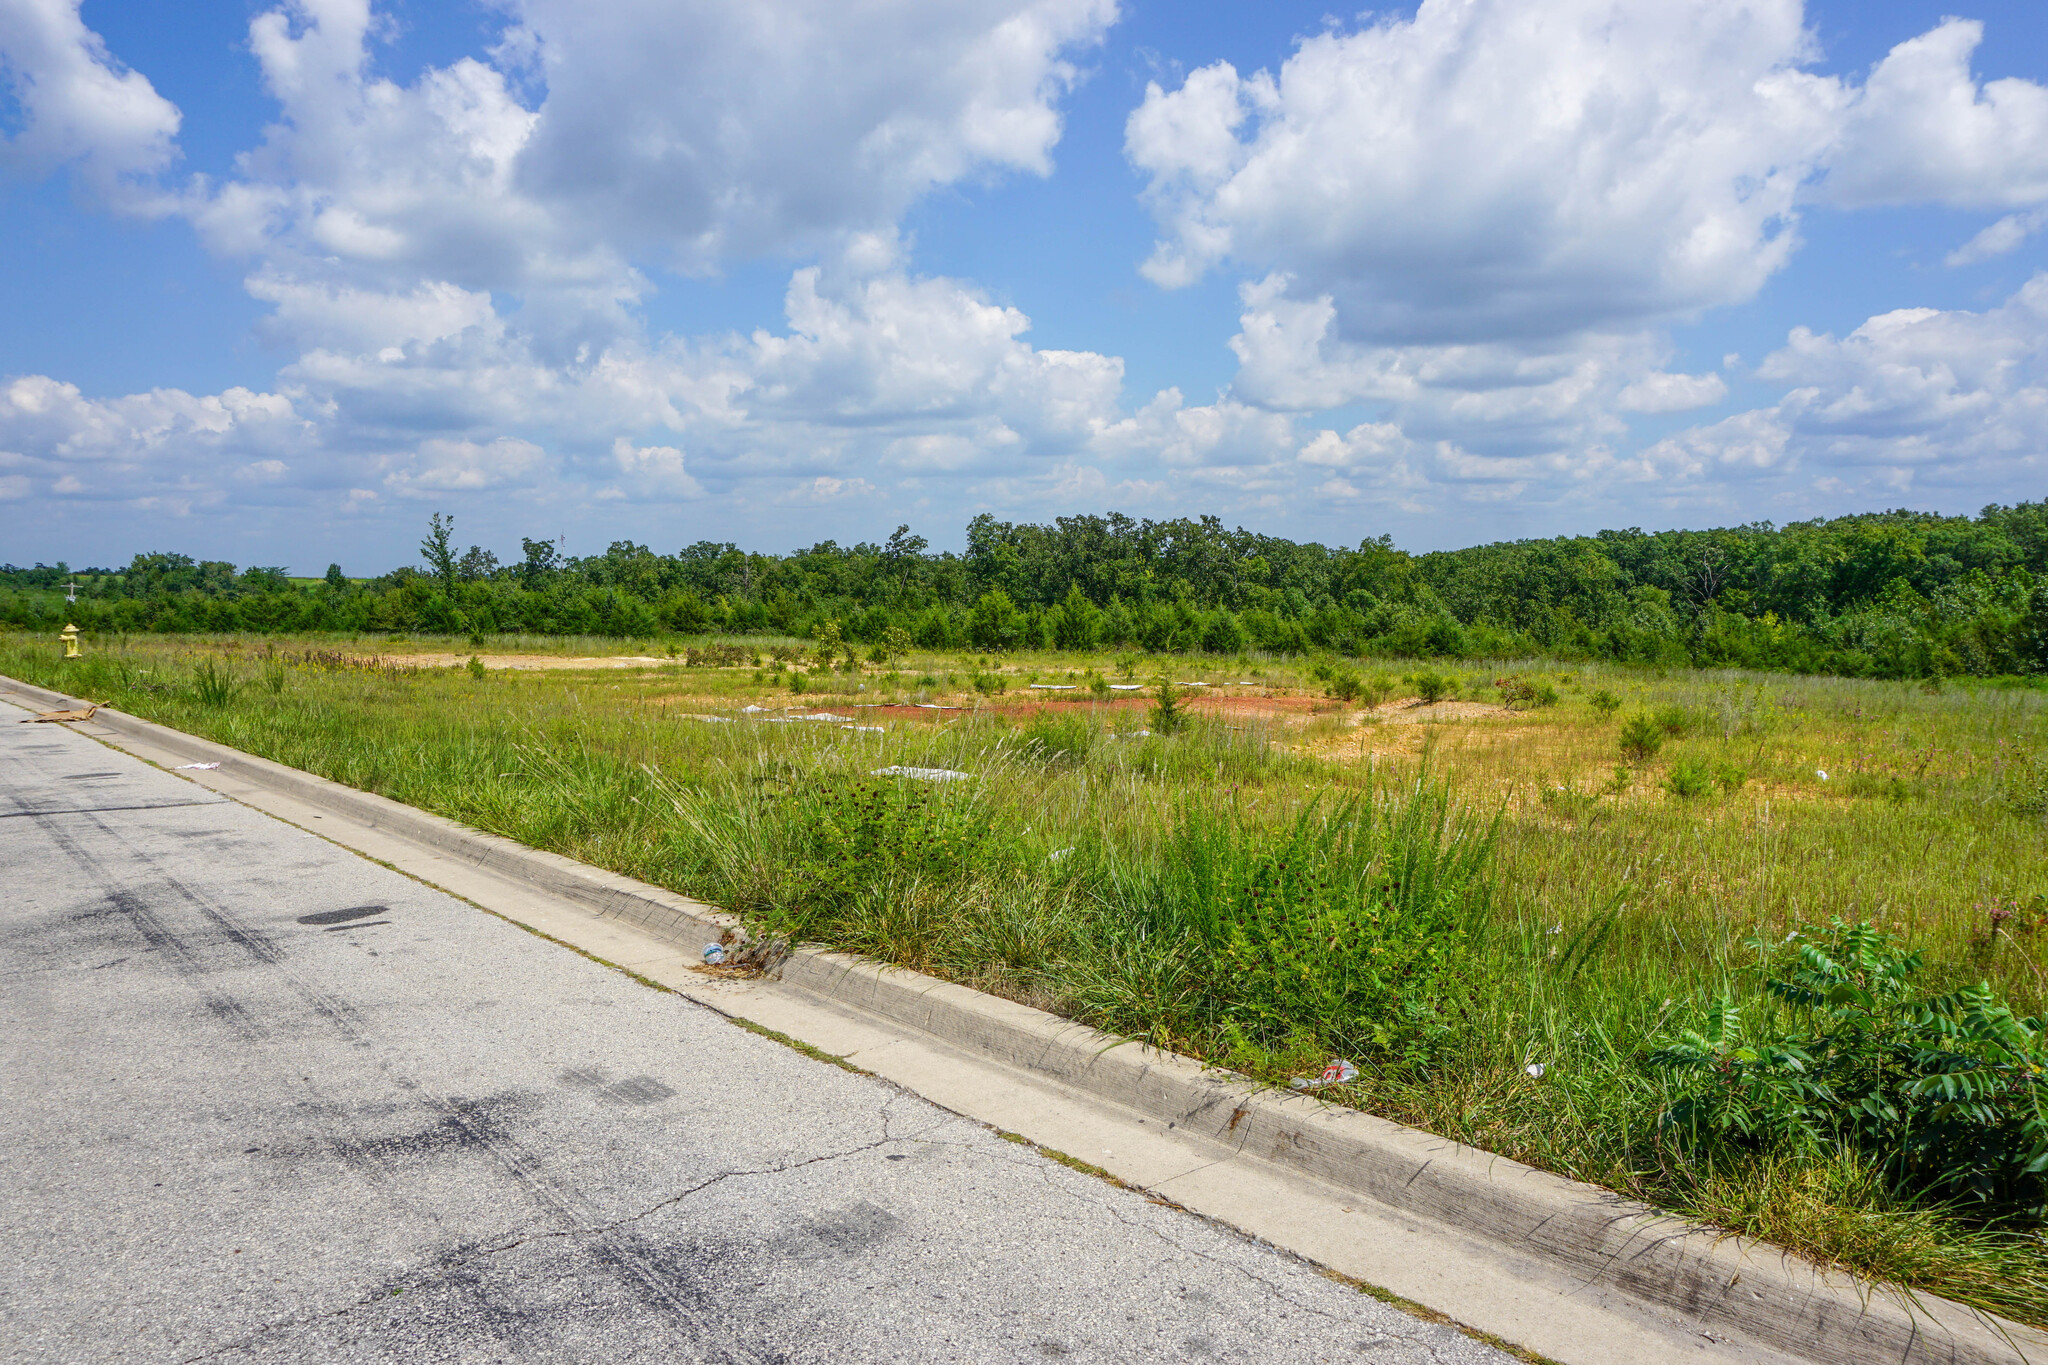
{"type": "Point", "coordinates": [1540, 1248]}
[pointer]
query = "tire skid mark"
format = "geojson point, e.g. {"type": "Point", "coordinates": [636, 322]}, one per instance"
{"type": "Point", "coordinates": [158, 937]}
{"type": "Point", "coordinates": [626, 1256]}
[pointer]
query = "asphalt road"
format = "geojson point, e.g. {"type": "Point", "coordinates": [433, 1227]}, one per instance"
{"type": "Point", "coordinates": [266, 1100]}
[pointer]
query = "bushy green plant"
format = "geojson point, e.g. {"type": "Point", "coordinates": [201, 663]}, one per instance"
{"type": "Point", "coordinates": [1169, 714]}
{"type": "Point", "coordinates": [274, 675]}
{"type": "Point", "coordinates": [990, 684]}
{"type": "Point", "coordinates": [1523, 693]}
{"type": "Point", "coordinates": [476, 668]}
{"type": "Point", "coordinates": [1345, 684]}
{"type": "Point", "coordinates": [850, 839]}
{"type": "Point", "coordinates": [1641, 738]}
{"type": "Point", "coordinates": [1605, 702]}
{"type": "Point", "coordinates": [1673, 720]}
{"type": "Point", "coordinates": [1432, 687]}
{"type": "Point", "coordinates": [1945, 1093]}
{"type": "Point", "coordinates": [1689, 779]}
{"type": "Point", "coordinates": [1730, 777]}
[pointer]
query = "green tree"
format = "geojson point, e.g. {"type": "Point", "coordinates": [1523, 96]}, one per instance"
{"type": "Point", "coordinates": [1076, 623]}
{"type": "Point", "coordinates": [439, 550]}
{"type": "Point", "coordinates": [335, 578]}
{"type": "Point", "coordinates": [1169, 714]}
{"type": "Point", "coordinates": [995, 624]}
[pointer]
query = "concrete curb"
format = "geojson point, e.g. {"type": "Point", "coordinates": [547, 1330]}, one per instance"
{"type": "Point", "coordinates": [1749, 1287]}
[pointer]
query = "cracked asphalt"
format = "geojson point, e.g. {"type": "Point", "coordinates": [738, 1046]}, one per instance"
{"type": "Point", "coordinates": [270, 1101]}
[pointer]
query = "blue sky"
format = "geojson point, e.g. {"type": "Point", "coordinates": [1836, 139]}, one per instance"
{"type": "Point", "coordinates": [283, 279]}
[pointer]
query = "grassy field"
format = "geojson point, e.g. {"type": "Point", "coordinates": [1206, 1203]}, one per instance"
{"type": "Point", "coordinates": [1478, 899]}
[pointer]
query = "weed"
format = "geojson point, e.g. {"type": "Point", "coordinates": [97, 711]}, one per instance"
{"type": "Point", "coordinates": [1605, 702]}
{"type": "Point", "coordinates": [1689, 779]}
{"type": "Point", "coordinates": [1674, 721]}
{"type": "Point", "coordinates": [1059, 738]}
{"type": "Point", "coordinates": [1432, 687]}
{"type": "Point", "coordinates": [1641, 738]}
{"type": "Point", "coordinates": [476, 668]}
{"type": "Point", "coordinates": [214, 685]}
{"type": "Point", "coordinates": [1945, 1093]}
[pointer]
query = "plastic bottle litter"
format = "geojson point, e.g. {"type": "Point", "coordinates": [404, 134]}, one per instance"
{"type": "Point", "coordinates": [714, 954]}
{"type": "Point", "coordinates": [1337, 1072]}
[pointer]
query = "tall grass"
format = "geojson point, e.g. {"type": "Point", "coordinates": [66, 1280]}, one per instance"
{"type": "Point", "coordinates": [1449, 903]}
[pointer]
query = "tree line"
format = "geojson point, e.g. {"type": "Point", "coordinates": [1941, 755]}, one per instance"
{"type": "Point", "coordinates": [1884, 594]}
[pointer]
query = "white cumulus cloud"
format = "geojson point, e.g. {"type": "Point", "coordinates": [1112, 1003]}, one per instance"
{"type": "Point", "coordinates": [80, 106]}
{"type": "Point", "coordinates": [1492, 169]}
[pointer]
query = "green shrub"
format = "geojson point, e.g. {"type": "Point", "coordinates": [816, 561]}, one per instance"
{"type": "Point", "coordinates": [1432, 687]}
{"type": "Point", "coordinates": [1945, 1094]}
{"type": "Point", "coordinates": [476, 668]}
{"type": "Point", "coordinates": [1605, 702]}
{"type": "Point", "coordinates": [1169, 715]}
{"type": "Point", "coordinates": [1520, 692]}
{"type": "Point", "coordinates": [1673, 720]}
{"type": "Point", "coordinates": [990, 684]}
{"type": "Point", "coordinates": [1729, 777]}
{"type": "Point", "coordinates": [1345, 684]}
{"type": "Point", "coordinates": [1641, 738]}
{"type": "Point", "coordinates": [1689, 780]}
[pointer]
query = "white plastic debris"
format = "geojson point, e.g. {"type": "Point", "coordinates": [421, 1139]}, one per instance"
{"type": "Point", "coordinates": [1127, 687]}
{"type": "Point", "coordinates": [715, 720]}
{"type": "Point", "coordinates": [934, 706]}
{"type": "Point", "coordinates": [827, 716]}
{"type": "Point", "coordinates": [1052, 687]}
{"type": "Point", "coordinates": [198, 765]}
{"type": "Point", "coordinates": [921, 774]}
{"type": "Point", "coordinates": [863, 729]}
{"type": "Point", "coordinates": [1535, 1070]}
{"type": "Point", "coordinates": [752, 710]}
{"type": "Point", "coordinates": [714, 953]}
{"type": "Point", "coordinates": [1191, 684]}
{"type": "Point", "coordinates": [1131, 734]}
{"type": "Point", "coordinates": [1336, 1072]}
{"type": "Point", "coordinates": [1821, 773]}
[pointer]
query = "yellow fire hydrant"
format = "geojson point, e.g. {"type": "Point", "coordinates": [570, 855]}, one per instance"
{"type": "Point", "coordinates": [69, 635]}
